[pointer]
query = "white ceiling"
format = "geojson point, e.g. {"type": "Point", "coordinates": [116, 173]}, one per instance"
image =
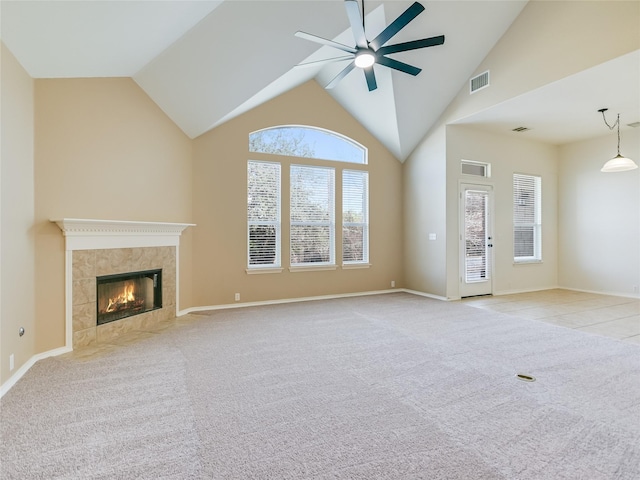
{"type": "Point", "coordinates": [204, 62]}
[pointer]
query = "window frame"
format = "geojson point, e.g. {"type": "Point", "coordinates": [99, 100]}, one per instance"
{"type": "Point", "coordinates": [536, 225]}
{"type": "Point", "coordinates": [276, 223]}
{"type": "Point", "coordinates": [304, 152]}
{"type": "Point", "coordinates": [330, 222]}
{"type": "Point", "coordinates": [288, 151]}
{"type": "Point", "coordinates": [364, 224]}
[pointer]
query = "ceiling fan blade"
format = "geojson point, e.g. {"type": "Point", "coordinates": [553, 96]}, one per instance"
{"type": "Point", "coordinates": [396, 65]}
{"type": "Point", "coordinates": [413, 45]}
{"type": "Point", "coordinates": [324, 41]}
{"type": "Point", "coordinates": [324, 61]}
{"type": "Point", "coordinates": [343, 73]}
{"type": "Point", "coordinates": [371, 78]}
{"type": "Point", "coordinates": [355, 19]}
{"type": "Point", "coordinates": [398, 24]}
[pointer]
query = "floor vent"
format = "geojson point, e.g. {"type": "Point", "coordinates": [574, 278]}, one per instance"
{"type": "Point", "coordinates": [520, 129]}
{"type": "Point", "coordinates": [479, 82]}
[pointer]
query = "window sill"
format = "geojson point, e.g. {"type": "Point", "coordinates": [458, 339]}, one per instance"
{"type": "Point", "coordinates": [353, 266]}
{"type": "Point", "coordinates": [527, 262]}
{"type": "Point", "coordinates": [312, 268]}
{"type": "Point", "coordinates": [257, 271]}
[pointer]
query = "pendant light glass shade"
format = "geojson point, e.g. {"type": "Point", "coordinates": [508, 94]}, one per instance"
{"type": "Point", "coordinates": [619, 164]}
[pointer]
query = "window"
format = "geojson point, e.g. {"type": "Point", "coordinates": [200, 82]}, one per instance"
{"type": "Point", "coordinates": [355, 216]}
{"type": "Point", "coordinates": [311, 236]}
{"type": "Point", "coordinates": [527, 221]}
{"type": "Point", "coordinates": [479, 169]}
{"type": "Point", "coordinates": [308, 142]}
{"type": "Point", "coordinates": [263, 214]}
{"type": "Point", "coordinates": [312, 215]}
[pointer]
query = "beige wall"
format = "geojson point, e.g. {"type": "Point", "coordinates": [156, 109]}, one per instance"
{"type": "Point", "coordinates": [548, 41]}
{"type": "Point", "coordinates": [425, 202]}
{"type": "Point", "coordinates": [16, 216]}
{"type": "Point", "coordinates": [220, 205]}
{"type": "Point", "coordinates": [103, 150]}
{"type": "Point", "coordinates": [507, 155]}
{"type": "Point", "coordinates": [599, 215]}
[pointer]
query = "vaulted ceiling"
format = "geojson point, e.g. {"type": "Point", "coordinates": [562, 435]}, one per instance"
{"type": "Point", "coordinates": [205, 62]}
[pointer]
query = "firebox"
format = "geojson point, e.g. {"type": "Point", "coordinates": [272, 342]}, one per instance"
{"type": "Point", "coordinates": [126, 294]}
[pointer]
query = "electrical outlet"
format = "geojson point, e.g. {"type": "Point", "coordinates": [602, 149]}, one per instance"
{"type": "Point", "coordinates": [237, 297]}
{"type": "Point", "coordinates": [393, 284]}
{"type": "Point", "coordinates": [11, 362]}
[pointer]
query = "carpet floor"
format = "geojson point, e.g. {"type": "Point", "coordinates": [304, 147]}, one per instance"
{"type": "Point", "coordinates": [391, 386]}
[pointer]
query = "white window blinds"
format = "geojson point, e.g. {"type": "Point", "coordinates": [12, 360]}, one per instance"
{"type": "Point", "coordinates": [263, 214]}
{"type": "Point", "coordinates": [527, 221]}
{"type": "Point", "coordinates": [312, 215]}
{"type": "Point", "coordinates": [355, 216]}
{"type": "Point", "coordinates": [476, 219]}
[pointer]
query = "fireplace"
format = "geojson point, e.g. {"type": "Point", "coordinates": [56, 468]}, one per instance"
{"type": "Point", "coordinates": [127, 294]}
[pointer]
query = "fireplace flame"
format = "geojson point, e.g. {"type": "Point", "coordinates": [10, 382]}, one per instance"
{"type": "Point", "coordinates": [121, 300]}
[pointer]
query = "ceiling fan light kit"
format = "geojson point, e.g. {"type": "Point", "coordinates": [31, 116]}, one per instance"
{"type": "Point", "coordinates": [618, 163]}
{"type": "Point", "coordinates": [367, 53]}
{"type": "Point", "coordinates": [364, 59]}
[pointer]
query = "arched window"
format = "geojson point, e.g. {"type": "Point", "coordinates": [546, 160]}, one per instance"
{"type": "Point", "coordinates": [311, 235]}
{"type": "Point", "coordinates": [308, 142]}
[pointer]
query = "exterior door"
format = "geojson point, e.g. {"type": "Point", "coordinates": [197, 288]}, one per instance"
{"type": "Point", "coordinates": [476, 206]}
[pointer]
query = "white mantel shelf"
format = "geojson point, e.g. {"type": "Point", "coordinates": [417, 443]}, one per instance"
{"type": "Point", "coordinates": [91, 234]}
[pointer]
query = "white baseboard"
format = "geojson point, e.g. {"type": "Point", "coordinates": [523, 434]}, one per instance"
{"type": "Point", "coordinates": [287, 300]}
{"type": "Point", "coordinates": [6, 386]}
{"type": "Point", "coordinates": [429, 295]}
{"type": "Point", "coordinates": [525, 290]}
{"type": "Point", "coordinates": [613, 294]}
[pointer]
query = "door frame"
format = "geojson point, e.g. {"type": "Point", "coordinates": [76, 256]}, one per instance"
{"type": "Point", "coordinates": [478, 288]}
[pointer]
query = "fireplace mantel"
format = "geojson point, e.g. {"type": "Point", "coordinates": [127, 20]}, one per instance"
{"type": "Point", "coordinates": [91, 234]}
{"type": "Point", "coordinates": [103, 242]}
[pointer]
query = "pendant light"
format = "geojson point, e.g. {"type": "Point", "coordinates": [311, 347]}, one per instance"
{"type": "Point", "coordinates": [617, 163]}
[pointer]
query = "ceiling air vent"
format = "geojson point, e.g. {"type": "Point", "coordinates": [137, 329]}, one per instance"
{"type": "Point", "coordinates": [520, 129]}
{"type": "Point", "coordinates": [479, 82]}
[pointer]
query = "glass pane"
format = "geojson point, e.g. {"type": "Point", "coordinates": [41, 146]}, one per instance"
{"type": "Point", "coordinates": [475, 227]}
{"type": "Point", "coordinates": [263, 213]}
{"type": "Point", "coordinates": [307, 142]}
{"type": "Point", "coordinates": [523, 241]}
{"type": "Point", "coordinates": [310, 244]}
{"type": "Point", "coordinates": [262, 244]}
{"type": "Point", "coordinates": [353, 244]}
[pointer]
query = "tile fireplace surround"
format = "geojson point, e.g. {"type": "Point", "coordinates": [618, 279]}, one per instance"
{"type": "Point", "coordinates": [105, 247]}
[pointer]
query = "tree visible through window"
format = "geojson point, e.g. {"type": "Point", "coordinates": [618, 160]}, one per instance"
{"type": "Point", "coordinates": [312, 211]}
{"type": "Point", "coordinates": [263, 213]}
{"type": "Point", "coordinates": [312, 215]}
{"type": "Point", "coordinates": [298, 141]}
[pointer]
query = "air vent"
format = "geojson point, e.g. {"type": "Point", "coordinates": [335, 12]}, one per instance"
{"type": "Point", "coordinates": [520, 129]}
{"type": "Point", "coordinates": [479, 82]}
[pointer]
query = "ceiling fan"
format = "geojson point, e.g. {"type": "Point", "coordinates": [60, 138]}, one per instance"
{"type": "Point", "coordinates": [367, 53]}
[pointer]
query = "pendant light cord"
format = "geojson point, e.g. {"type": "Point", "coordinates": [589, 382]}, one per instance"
{"type": "Point", "coordinates": [611, 127]}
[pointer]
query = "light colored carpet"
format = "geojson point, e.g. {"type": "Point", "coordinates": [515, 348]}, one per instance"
{"type": "Point", "coordinates": [381, 387]}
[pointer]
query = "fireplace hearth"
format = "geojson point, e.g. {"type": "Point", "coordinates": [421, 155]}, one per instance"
{"type": "Point", "coordinates": [126, 294]}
